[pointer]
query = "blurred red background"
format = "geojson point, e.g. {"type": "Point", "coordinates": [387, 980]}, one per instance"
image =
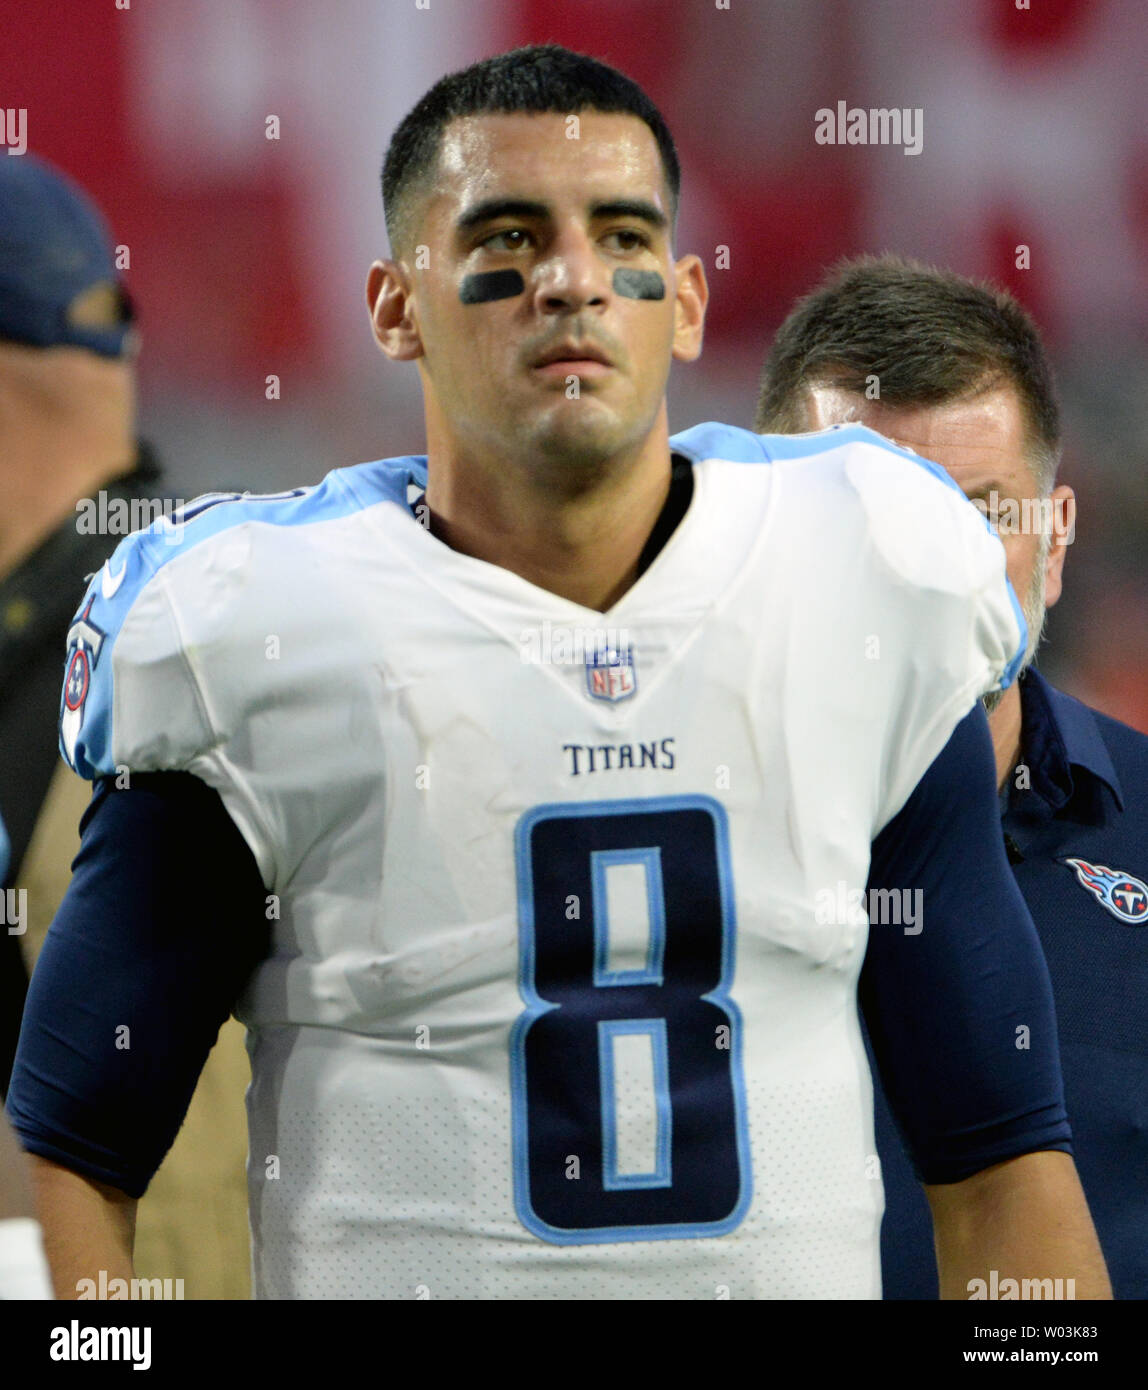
{"type": "Point", "coordinates": [248, 255]}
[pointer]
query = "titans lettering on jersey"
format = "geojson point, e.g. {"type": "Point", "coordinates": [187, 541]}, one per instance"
{"type": "Point", "coordinates": [527, 1031]}
{"type": "Point", "coordinates": [585, 758]}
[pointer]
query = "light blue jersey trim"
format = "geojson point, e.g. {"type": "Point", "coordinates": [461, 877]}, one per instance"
{"type": "Point", "coordinates": [712, 440]}
{"type": "Point", "coordinates": [86, 734]}
{"type": "Point", "coordinates": [715, 440]}
{"type": "Point", "coordinates": [662, 1173]}
{"type": "Point", "coordinates": [650, 860]}
{"type": "Point", "coordinates": [1012, 670]}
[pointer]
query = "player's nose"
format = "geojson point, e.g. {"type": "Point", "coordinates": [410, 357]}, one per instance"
{"type": "Point", "coordinates": [573, 275]}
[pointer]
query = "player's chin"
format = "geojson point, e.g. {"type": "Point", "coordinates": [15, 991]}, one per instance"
{"type": "Point", "coordinates": [580, 427]}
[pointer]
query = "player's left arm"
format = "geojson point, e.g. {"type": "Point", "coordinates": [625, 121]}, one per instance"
{"type": "Point", "coordinates": [961, 1018]}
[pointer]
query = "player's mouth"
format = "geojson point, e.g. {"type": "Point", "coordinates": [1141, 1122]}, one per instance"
{"type": "Point", "coordinates": [573, 359]}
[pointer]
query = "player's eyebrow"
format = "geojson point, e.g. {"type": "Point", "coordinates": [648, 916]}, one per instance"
{"type": "Point", "coordinates": [491, 208]}
{"type": "Point", "coordinates": [632, 207]}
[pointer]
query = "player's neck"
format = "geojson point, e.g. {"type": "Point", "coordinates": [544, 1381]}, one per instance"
{"type": "Point", "coordinates": [1005, 724]}
{"type": "Point", "coordinates": [583, 545]}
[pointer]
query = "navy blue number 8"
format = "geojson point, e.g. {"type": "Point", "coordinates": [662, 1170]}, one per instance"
{"type": "Point", "coordinates": [567, 1185]}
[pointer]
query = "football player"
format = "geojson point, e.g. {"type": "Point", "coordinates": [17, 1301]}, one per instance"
{"type": "Point", "coordinates": [522, 803]}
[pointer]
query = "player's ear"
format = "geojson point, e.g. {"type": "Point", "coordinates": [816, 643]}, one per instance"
{"type": "Point", "coordinates": [692, 295]}
{"type": "Point", "coordinates": [1063, 534]}
{"type": "Point", "coordinates": [392, 320]}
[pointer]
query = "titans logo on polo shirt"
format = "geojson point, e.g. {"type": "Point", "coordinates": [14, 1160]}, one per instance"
{"type": "Point", "coordinates": [1124, 896]}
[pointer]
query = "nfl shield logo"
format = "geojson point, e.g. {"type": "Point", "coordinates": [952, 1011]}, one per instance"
{"type": "Point", "coordinates": [610, 673]}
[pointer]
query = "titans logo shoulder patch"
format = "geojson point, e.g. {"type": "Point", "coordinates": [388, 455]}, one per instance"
{"type": "Point", "coordinates": [85, 642]}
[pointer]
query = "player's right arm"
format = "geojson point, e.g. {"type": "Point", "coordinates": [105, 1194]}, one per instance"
{"type": "Point", "coordinates": [162, 924]}
{"type": "Point", "coordinates": [165, 916]}
{"type": "Point", "coordinates": [87, 1226]}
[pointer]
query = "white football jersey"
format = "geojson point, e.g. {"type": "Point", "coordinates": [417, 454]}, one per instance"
{"type": "Point", "coordinates": [551, 1011]}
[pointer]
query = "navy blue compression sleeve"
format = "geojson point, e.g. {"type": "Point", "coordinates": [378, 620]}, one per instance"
{"type": "Point", "coordinates": [960, 1015]}
{"type": "Point", "coordinates": [162, 924]}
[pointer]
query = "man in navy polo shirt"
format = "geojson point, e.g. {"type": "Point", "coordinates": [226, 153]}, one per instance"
{"type": "Point", "coordinates": [957, 372]}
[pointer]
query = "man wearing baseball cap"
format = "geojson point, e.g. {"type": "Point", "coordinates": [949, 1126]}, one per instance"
{"type": "Point", "coordinates": [67, 414]}
{"type": "Point", "coordinates": [67, 434]}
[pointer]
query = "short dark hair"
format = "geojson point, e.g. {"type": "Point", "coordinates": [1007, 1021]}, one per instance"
{"type": "Point", "coordinates": [541, 78]}
{"type": "Point", "coordinates": [929, 336]}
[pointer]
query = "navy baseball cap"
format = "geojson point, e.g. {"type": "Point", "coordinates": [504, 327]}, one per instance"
{"type": "Point", "coordinates": [58, 281]}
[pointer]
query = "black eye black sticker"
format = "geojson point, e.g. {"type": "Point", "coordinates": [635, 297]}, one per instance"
{"type": "Point", "coordinates": [639, 284]}
{"type": "Point", "coordinates": [492, 284]}
{"type": "Point", "coordinates": [505, 284]}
